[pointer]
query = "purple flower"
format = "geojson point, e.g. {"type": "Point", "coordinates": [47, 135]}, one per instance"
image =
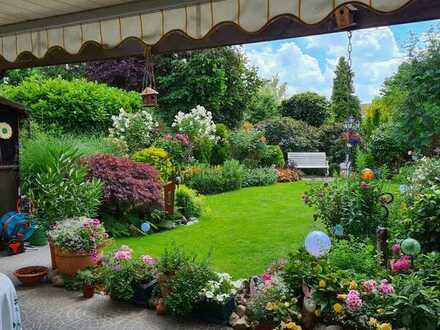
{"type": "Point", "coordinates": [365, 186]}
{"type": "Point", "coordinates": [149, 260]}
{"type": "Point", "coordinates": [124, 253]}
{"type": "Point", "coordinates": [353, 301]}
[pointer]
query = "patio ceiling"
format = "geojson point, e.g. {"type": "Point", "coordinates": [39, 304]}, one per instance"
{"type": "Point", "coordinates": [45, 32]}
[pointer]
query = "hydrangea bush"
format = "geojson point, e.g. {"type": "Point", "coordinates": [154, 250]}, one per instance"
{"type": "Point", "coordinates": [197, 124]}
{"type": "Point", "coordinates": [79, 235]}
{"type": "Point", "coordinates": [137, 129]}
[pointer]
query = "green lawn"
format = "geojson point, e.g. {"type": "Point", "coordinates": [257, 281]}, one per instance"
{"type": "Point", "coordinates": [244, 230]}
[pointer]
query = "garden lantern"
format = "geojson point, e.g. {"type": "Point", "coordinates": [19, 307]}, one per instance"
{"type": "Point", "coordinates": [149, 93]}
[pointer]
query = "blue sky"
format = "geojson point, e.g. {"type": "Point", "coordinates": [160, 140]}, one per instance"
{"type": "Point", "coordinates": [308, 63]}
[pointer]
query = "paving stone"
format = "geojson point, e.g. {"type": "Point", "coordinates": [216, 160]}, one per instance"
{"type": "Point", "coordinates": [45, 307]}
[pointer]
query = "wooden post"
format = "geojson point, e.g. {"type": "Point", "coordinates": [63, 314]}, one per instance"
{"type": "Point", "coordinates": [382, 245]}
{"type": "Point", "coordinates": [169, 191]}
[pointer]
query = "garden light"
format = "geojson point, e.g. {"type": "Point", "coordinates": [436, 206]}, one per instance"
{"type": "Point", "coordinates": [317, 244]}
{"type": "Point", "coordinates": [410, 247]}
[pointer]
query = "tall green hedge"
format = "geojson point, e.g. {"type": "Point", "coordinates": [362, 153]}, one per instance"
{"type": "Point", "coordinates": [71, 106]}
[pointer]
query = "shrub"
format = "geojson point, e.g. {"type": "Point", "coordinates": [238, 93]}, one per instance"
{"type": "Point", "coordinates": [385, 145]}
{"type": "Point", "coordinates": [60, 189]}
{"type": "Point", "coordinates": [352, 254]}
{"type": "Point", "coordinates": [273, 156]}
{"type": "Point", "coordinates": [188, 202]}
{"type": "Point", "coordinates": [309, 107]}
{"type": "Point", "coordinates": [260, 176]}
{"type": "Point", "coordinates": [137, 130]}
{"type": "Point", "coordinates": [288, 175]}
{"type": "Point", "coordinates": [351, 203]}
{"type": "Point", "coordinates": [248, 145]}
{"type": "Point", "coordinates": [127, 185]}
{"type": "Point", "coordinates": [291, 135]}
{"type": "Point", "coordinates": [200, 128]}
{"type": "Point", "coordinates": [420, 217]}
{"type": "Point", "coordinates": [72, 106]}
{"type": "Point", "coordinates": [178, 147]}
{"type": "Point", "coordinates": [122, 274]}
{"type": "Point", "coordinates": [156, 157]}
{"type": "Point", "coordinates": [221, 150]}
{"type": "Point", "coordinates": [213, 180]}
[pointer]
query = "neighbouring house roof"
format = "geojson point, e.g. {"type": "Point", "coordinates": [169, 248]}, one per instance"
{"type": "Point", "coordinates": [46, 32]}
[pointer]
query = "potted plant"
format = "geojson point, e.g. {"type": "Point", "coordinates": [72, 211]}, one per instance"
{"type": "Point", "coordinates": [77, 244]}
{"type": "Point", "coordinates": [270, 307]}
{"type": "Point", "coordinates": [217, 300]}
{"type": "Point", "coordinates": [129, 279]}
{"type": "Point", "coordinates": [87, 277]}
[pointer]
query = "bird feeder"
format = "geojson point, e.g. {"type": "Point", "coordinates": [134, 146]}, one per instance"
{"type": "Point", "coordinates": [344, 17]}
{"type": "Point", "coordinates": [10, 115]}
{"type": "Point", "coordinates": [149, 93]}
{"type": "Point", "coordinates": [149, 97]}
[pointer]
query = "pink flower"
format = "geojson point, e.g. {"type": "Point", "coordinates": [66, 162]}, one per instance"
{"type": "Point", "coordinates": [385, 288]}
{"type": "Point", "coordinates": [369, 286]}
{"type": "Point", "coordinates": [353, 301]}
{"type": "Point", "coordinates": [124, 253]}
{"type": "Point", "coordinates": [401, 264]}
{"type": "Point", "coordinates": [396, 249]}
{"type": "Point", "coordinates": [266, 277]}
{"type": "Point", "coordinates": [149, 260]}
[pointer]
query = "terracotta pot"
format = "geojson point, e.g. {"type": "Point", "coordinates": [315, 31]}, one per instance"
{"type": "Point", "coordinates": [69, 263]}
{"type": "Point", "coordinates": [161, 308]}
{"type": "Point", "coordinates": [88, 291]}
{"type": "Point", "coordinates": [32, 275]}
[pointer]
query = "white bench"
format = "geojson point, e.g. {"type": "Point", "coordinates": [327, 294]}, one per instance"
{"type": "Point", "coordinates": [312, 160]}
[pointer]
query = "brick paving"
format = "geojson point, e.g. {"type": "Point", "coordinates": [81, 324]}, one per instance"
{"type": "Point", "coordinates": [45, 307]}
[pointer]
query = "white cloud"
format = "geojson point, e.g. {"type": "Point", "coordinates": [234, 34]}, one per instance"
{"type": "Point", "coordinates": [308, 63]}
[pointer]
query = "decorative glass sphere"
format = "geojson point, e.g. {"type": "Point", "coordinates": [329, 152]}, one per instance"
{"type": "Point", "coordinates": [317, 244]}
{"type": "Point", "coordinates": [145, 227]}
{"type": "Point", "coordinates": [339, 230]}
{"type": "Point", "coordinates": [410, 247]}
{"type": "Point", "coordinates": [367, 174]}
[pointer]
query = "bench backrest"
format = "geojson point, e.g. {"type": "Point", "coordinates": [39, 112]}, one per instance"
{"type": "Point", "coordinates": [307, 159]}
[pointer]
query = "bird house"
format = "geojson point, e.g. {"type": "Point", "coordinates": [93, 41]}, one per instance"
{"type": "Point", "coordinates": [149, 96]}
{"type": "Point", "coordinates": [344, 17]}
{"type": "Point", "coordinates": [10, 115]}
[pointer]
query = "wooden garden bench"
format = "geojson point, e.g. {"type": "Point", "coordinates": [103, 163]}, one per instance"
{"type": "Point", "coordinates": [312, 160]}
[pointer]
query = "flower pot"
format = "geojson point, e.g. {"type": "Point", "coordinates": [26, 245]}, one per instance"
{"type": "Point", "coordinates": [143, 293]}
{"type": "Point", "coordinates": [214, 312]}
{"type": "Point", "coordinates": [161, 308]}
{"type": "Point", "coordinates": [69, 263]}
{"type": "Point", "coordinates": [32, 275]}
{"type": "Point", "coordinates": [38, 238]}
{"type": "Point", "coordinates": [88, 291]}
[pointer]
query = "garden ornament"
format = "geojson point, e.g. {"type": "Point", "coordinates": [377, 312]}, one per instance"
{"type": "Point", "coordinates": [145, 227]}
{"type": "Point", "coordinates": [339, 230]}
{"type": "Point", "coordinates": [5, 131]}
{"type": "Point", "coordinates": [317, 244]}
{"type": "Point", "coordinates": [410, 247]}
{"type": "Point", "coordinates": [367, 174]}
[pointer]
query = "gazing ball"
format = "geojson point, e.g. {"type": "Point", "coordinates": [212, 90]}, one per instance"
{"type": "Point", "coordinates": [339, 230]}
{"type": "Point", "coordinates": [317, 244]}
{"type": "Point", "coordinates": [410, 247]}
{"type": "Point", "coordinates": [145, 227]}
{"type": "Point", "coordinates": [367, 174]}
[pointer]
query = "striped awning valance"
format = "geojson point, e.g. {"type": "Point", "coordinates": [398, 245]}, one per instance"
{"type": "Point", "coordinates": [31, 30]}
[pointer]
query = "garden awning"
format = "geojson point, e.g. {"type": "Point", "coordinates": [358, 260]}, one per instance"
{"type": "Point", "coordinates": [44, 32]}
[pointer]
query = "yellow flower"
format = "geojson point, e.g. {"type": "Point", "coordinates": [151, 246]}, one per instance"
{"type": "Point", "coordinates": [248, 126]}
{"type": "Point", "coordinates": [271, 306]}
{"type": "Point", "coordinates": [338, 308]}
{"type": "Point", "coordinates": [293, 326]}
{"type": "Point", "coordinates": [381, 310]}
{"type": "Point", "coordinates": [318, 312]}
{"type": "Point", "coordinates": [342, 297]}
{"type": "Point", "coordinates": [322, 284]}
{"type": "Point", "coordinates": [385, 326]}
{"type": "Point", "coordinates": [373, 322]}
{"type": "Point", "coordinates": [353, 285]}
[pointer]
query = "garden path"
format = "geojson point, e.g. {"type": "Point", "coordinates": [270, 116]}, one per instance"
{"type": "Point", "coordinates": [45, 307]}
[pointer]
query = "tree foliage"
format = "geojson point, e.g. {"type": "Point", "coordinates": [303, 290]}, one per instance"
{"type": "Point", "coordinates": [344, 102]}
{"type": "Point", "coordinates": [309, 107]}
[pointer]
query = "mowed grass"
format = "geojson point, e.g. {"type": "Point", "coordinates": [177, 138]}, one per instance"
{"type": "Point", "coordinates": [243, 231]}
